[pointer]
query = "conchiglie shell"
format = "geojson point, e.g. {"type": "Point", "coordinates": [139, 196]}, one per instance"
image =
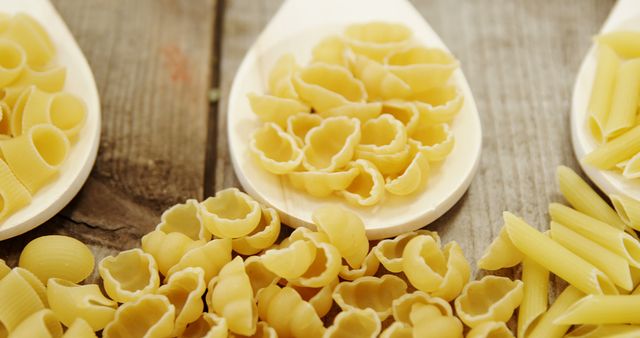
{"type": "Point", "coordinates": [129, 275]}
{"type": "Point", "coordinates": [428, 321]}
{"type": "Point", "coordinates": [490, 330]}
{"type": "Point", "coordinates": [302, 321]}
{"type": "Point", "coordinates": [303, 233]}
{"type": "Point", "coordinates": [292, 261]}
{"type": "Point", "coordinates": [383, 135]}
{"type": "Point", "coordinates": [355, 323]}
{"type": "Point", "coordinates": [324, 268]}
{"type": "Point", "coordinates": [12, 61]}
{"type": "Point", "coordinates": [397, 330]}
{"type": "Point", "coordinates": [435, 142]}
{"type": "Point", "coordinates": [381, 84]}
{"type": "Point", "coordinates": [149, 316]}
{"type": "Point", "coordinates": [263, 330]}
{"type": "Point", "coordinates": [345, 231]}
{"type": "Point", "coordinates": [403, 111]}
{"type": "Point", "coordinates": [377, 293]}
{"type": "Point", "coordinates": [79, 329]}
{"type": "Point", "coordinates": [363, 111]}
{"type": "Point", "coordinates": [422, 68]}
{"type": "Point", "coordinates": [367, 188]}
{"type": "Point", "coordinates": [276, 151]}
{"type": "Point", "coordinates": [184, 290]}
{"type": "Point", "coordinates": [439, 104]}
{"type": "Point", "coordinates": [40, 324]}
{"type": "Point", "coordinates": [332, 50]}
{"type": "Point", "coordinates": [185, 219]}
{"type": "Point", "coordinates": [57, 256]}
{"type": "Point", "coordinates": [13, 195]}
{"type": "Point", "coordinates": [230, 214]}
{"type": "Point", "coordinates": [331, 145]}
{"type": "Point", "coordinates": [208, 325]}
{"type": "Point", "coordinates": [320, 298]}
{"type": "Point", "coordinates": [259, 276]}
{"type": "Point", "coordinates": [298, 126]}
{"type": "Point", "coordinates": [389, 251]}
{"type": "Point", "coordinates": [167, 249]}
{"type": "Point", "coordinates": [326, 86]}
{"type": "Point", "coordinates": [377, 39]}
{"type": "Point", "coordinates": [4, 268]}
{"type": "Point", "coordinates": [500, 254]}
{"type": "Point", "coordinates": [210, 257]}
{"type": "Point", "coordinates": [276, 109]}
{"type": "Point", "coordinates": [368, 268]}
{"type": "Point", "coordinates": [71, 301]}
{"type": "Point", "coordinates": [491, 298]}
{"type": "Point", "coordinates": [413, 177]}
{"type": "Point", "coordinates": [19, 300]}
{"type": "Point", "coordinates": [402, 306]}
{"type": "Point", "coordinates": [279, 82]}
{"type": "Point", "coordinates": [323, 184]}
{"type": "Point", "coordinates": [262, 237]}
{"type": "Point", "coordinates": [388, 164]}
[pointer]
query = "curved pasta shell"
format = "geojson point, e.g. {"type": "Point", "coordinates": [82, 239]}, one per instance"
{"type": "Point", "coordinates": [388, 164]}
{"type": "Point", "coordinates": [279, 82]}
{"type": "Point", "coordinates": [325, 86]}
{"type": "Point", "coordinates": [276, 109]}
{"type": "Point", "coordinates": [63, 110]}
{"type": "Point", "coordinates": [428, 321]}
{"type": "Point", "coordinates": [402, 306]}
{"type": "Point", "coordinates": [184, 290]}
{"type": "Point", "coordinates": [377, 39]}
{"type": "Point", "coordinates": [324, 268]}
{"type": "Point", "coordinates": [12, 61]}
{"type": "Point", "coordinates": [323, 184]}
{"type": "Point", "coordinates": [148, 316]}
{"type": "Point", "coordinates": [276, 151]}
{"type": "Point", "coordinates": [33, 38]}
{"type": "Point", "coordinates": [368, 268]}
{"type": "Point", "coordinates": [230, 296]}
{"type": "Point", "coordinates": [35, 156]}
{"type": "Point", "coordinates": [303, 233]}
{"type": "Point", "coordinates": [230, 214]}
{"type": "Point", "coordinates": [40, 324]}
{"type": "Point", "coordinates": [355, 323]}
{"type": "Point", "coordinates": [501, 253]}
{"type": "Point", "coordinates": [71, 301]}
{"type": "Point", "coordinates": [332, 50]}
{"type": "Point", "coordinates": [363, 111]}
{"type": "Point", "coordinates": [439, 104]}
{"type": "Point", "coordinates": [210, 257]}
{"type": "Point", "coordinates": [129, 275]}
{"type": "Point", "coordinates": [320, 298]}
{"type": "Point", "coordinates": [383, 135]}
{"type": "Point", "coordinates": [422, 68]}
{"type": "Point", "coordinates": [331, 145]}
{"type": "Point", "coordinates": [262, 237]}
{"type": "Point", "coordinates": [259, 276]}
{"type": "Point", "coordinates": [443, 273]}
{"type": "Point", "coordinates": [414, 176]}
{"type": "Point", "coordinates": [301, 320]}
{"type": "Point", "coordinates": [298, 126]}
{"type": "Point", "coordinates": [263, 330]}
{"type": "Point", "coordinates": [19, 299]}
{"type": "Point", "coordinates": [4, 268]}
{"type": "Point", "coordinates": [435, 142]}
{"type": "Point", "coordinates": [403, 111]}
{"type": "Point", "coordinates": [491, 298]}
{"type": "Point", "coordinates": [56, 256]}
{"type": "Point", "coordinates": [377, 293]}
{"type": "Point", "coordinates": [389, 251]}
{"type": "Point", "coordinates": [185, 219]}
{"type": "Point", "coordinates": [292, 261]}
{"type": "Point", "coordinates": [397, 330]}
{"type": "Point", "coordinates": [381, 84]}
{"type": "Point", "coordinates": [490, 330]}
{"type": "Point", "coordinates": [167, 249]}
{"type": "Point", "coordinates": [345, 231]}
{"type": "Point", "coordinates": [13, 195]}
{"type": "Point", "coordinates": [208, 325]}
{"type": "Point", "coordinates": [79, 329]}
{"type": "Point", "coordinates": [368, 187]}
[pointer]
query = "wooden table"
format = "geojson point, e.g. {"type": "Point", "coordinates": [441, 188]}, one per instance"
{"type": "Point", "coordinates": [163, 140]}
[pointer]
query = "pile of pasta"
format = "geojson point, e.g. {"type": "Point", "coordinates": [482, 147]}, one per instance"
{"type": "Point", "coordinates": [366, 117]}
{"type": "Point", "coordinates": [38, 120]}
{"type": "Point", "coordinates": [614, 102]}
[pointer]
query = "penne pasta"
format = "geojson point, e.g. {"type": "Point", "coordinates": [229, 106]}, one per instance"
{"type": "Point", "coordinates": [623, 42]}
{"type": "Point", "coordinates": [13, 195]}
{"type": "Point", "coordinates": [535, 296]}
{"type": "Point", "coordinates": [630, 168]}
{"type": "Point", "coordinates": [621, 148]}
{"type": "Point", "coordinates": [607, 66]}
{"type": "Point", "coordinates": [601, 309]}
{"type": "Point", "coordinates": [624, 102]}
{"type": "Point", "coordinates": [628, 209]}
{"type": "Point", "coordinates": [546, 327]}
{"type": "Point", "coordinates": [501, 253]}
{"type": "Point", "coordinates": [596, 331]}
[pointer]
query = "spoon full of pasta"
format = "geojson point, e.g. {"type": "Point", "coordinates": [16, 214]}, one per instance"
{"type": "Point", "coordinates": [357, 103]}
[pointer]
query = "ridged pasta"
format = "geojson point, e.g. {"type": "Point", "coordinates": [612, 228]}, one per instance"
{"type": "Point", "coordinates": [230, 214]}
{"type": "Point", "coordinates": [35, 157]}
{"type": "Point", "coordinates": [411, 179]}
{"type": "Point", "coordinates": [276, 151]}
{"type": "Point", "coordinates": [63, 110]}
{"type": "Point", "coordinates": [388, 164]}
{"type": "Point", "coordinates": [19, 300]}
{"type": "Point", "coordinates": [208, 325]}
{"type": "Point", "coordinates": [620, 42]}
{"type": "Point", "coordinates": [259, 276]}
{"type": "Point", "coordinates": [602, 309]}
{"type": "Point", "coordinates": [609, 154]}
{"type": "Point", "coordinates": [332, 50]}
{"type": "Point", "coordinates": [320, 298]}
{"type": "Point", "coordinates": [49, 79]}
{"type": "Point", "coordinates": [325, 86]}
{"type": "Point", "coordinates": [402, 306]}
{"type": "Point", "coordinates": [535, 295]}
{"type": "Point", "coordinates": [624, 99]}
{"type": "Point", "coordinates": [302, 320]}
{"type": "Point", "coordinates": [628, 210]}
{"type": "Point", "coordinates": [56, 256]}
{"type": "Point", "coordinates": [491, 298]}
{"type": "Point", "coordinates": [397, 330]}
{"type": "Point", "coordinates": [298, 126]}
{"type": "Point", "coordinates": [435, 142]}
{"type": "Point", "coordinates": [383, 135]}
{"type": "Point", "coordinates": [630, 168]}
{"type": "Point", "coordinates": [13, 195]}
{"type": "Point", "coordinates": [35, 284]}
{"type": "Point", "coordinates": [263, 330]}
{"type": "Point", "coordinates": [500, 254]}
{"type": "Point", "coordinates": [4, 268]}
{"type": "Point", "coordinates": [369, 267]}
{"type": "Point", "coordinates": [79, 329]}
{"type": "Point", "coordinates": [546, 327]}
{"type": "Point", "coordinates": [380, 83]}
{"type": "Point", "coordinates": [12, 61]}
{"type": "Point", "coordinates": [148, 316]}
{"type": "Point", "coordinates": [331, 145]}
{"type": "Point", "coordinates": [71, 301]}
{"type": "Point", "coordinates": [439, 104]}
{"type": "Point", "coordinates": [230, 295]}
{"type": "Point", "coordinates": [604, 80]}
{"type": "Point", "coordinates": [403, 111]}
{"type": "Point", "coordinates": [376, 39]}
{"type": "Point", "coordinates": [129, 275]}
{"type": "Point", "coordinates": [377, 293]}
{"type": "Point", "coordinates": [184, 218]}
{"type": "Point", "coordinates": [291, 261]}
{"type": "Point", "coordinates": [167, 249]}
{"type": "Point", "coordinates": [345, 231]}
{"type": "Point", "coordinates": [441, 272]}
{"type": "Point", "coordinates": [595, 331]}
{"type": "Point", "coordinates": [210, 257]}
{"type": "Point", "coordinates": [389, 251]}
{"type": "Point", "coordinates": [184, 290]}
{"type": "Point", "coordinates": [490, 330]}
{"type": "Point", "coordinates": [322, 184]}
{"type": "Point", "coordinates": [362, 323]}
{"type": "Point", "coordinates": [40, 324]}
{"type": "Point", "coordinates": [367, 188]}
{"type": "Point", "coordinates": [5, 116]}
{"type": "Point", "coordinates": [28, 33]}
{"type": "Point", "coordinates": [279, 81]}
{"type": "Point", "coordinates": [262, 237]}
{"type": "Point", "coordinates": [422, 68]}
{"type": "Point", "coordinates": [276, 109]}
{"type": "Point", "coordinates": [429, 321]}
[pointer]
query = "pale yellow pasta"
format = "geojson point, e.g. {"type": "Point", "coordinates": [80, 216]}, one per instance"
{"type": "Point", "coordinates": [367, 188]}
{"type": "Point", "coordinates": [326, 86]}
{"type": "Point", "coordinates": [345, 231]}
{"type": "Point", "coordinates": [428, 321]}
{"type": "Point", "coordinates": [262, 237]}
{"type": "Point", "coordinates": [320, 298]}
{"type": "Point", "coordinates": [40, 324]}
{"type": "Point", "coordinates": [595, 331]}
{"type": "Point", "coordinates": [500, 254]}
{"type": "Point", "coordinates": [389, 164]}
{"type": "Point", "coordinates": [230, 295]}
{"type": "Point", "coordinates": [184, 290]}
{"type": "Point", "coordinates": [208, 325]}
{"type": "Point", "coordinates": [19, 300]}
{"type": "Point", "coordinates": [441, 272]}
{"type": "Point", "coordinates": [35, 156]}
{"type": "Point", "coordinates": [413, 178]}
{"type": "Point", "coordinates": [397, 330]}
{"type": "Point", "coordinates": [50, 80]}
{"type": "Point", "coordinates": [259, 276]}
{"type": "Point", "coordinates": [490, 330]}
{"type": "Point", "coordinates": [614, 266]}
{"type": "Point", "coordinates": [13, 195]}
{"type": "Point", "coordinates": [28, 33]}
{"type": "Point", "coordinates": [624, 102]}
{"type": "Point", "coordinates": [380, 83]}
{"type": "Point", "coordinates": [556, 258]}
{"type": "Point", "coordinates": [535, 295]}
{"type": "Point", "coordinates": [331, 145]}
{"type": "Point", "coordinates": [435, 142]}
{"type": "Point", "coordinates": [323, 184]}
{"type": "Point", "coordinates": [32, 103]}
{"type": "Point", "coordinates": [383, 135]}
{"type": "Point", "coordinates": [279, 82]}
{"type": "Point", "coordinates": [621, 148]}
{"type": "Point", "coordinates": [263, 330]}
{"type": "Point", "coordinates": [630, 168]}
{"type": "Point", "coordinates": [602, 309]}
{"type": "Point", "coordinates": [5, 116]}
{"type": "Point", "coordinates": [56, 256]}
{"type": "Point", "coordinates": [439, 104]}
{"type": "Point", "coordinates": [325, 267]}
{"type": "Point", "coordinates": [12, 61]}
{"type": "Point", "coordinates": [184, 218]}
{"type": "Point", "coordinates": [404, 111]}
{"type": "Point", "coordinates": [389, 251]}
{"type": "Point", "coordinates": [148, 316]}
{"type": "Point", "coordinates": [71, 301]}
{"type": "Point", "coordinates": [4, 268]}
{"type": "Point", "coordinates": [276, 109]}
{"type": "Point", "coordinates": [35, 284]}
{"type": "Point", "coordinates": [129, 275]}
{"type": "Point", "coordinates": [491, 298]}
{"type": "Point", "coordinates": [276, 150]}
{"type": "Point", "coordinates": [363, 111]}
{"type": "Point", "coordinates": [332, 50]}
{"type": "Point", "coordinates": [352, 323]}
{"type": "Point", "coordinates": [210, 257]}
{"type": "Point", "coordinates": [369, 267]}
{"type": "Point", "coordinates": [377, 293]}
{"type": "Point", "coordinates": [546, 327]}
{"type": "Point", "coordinates": [301, 320]}
{"type": "Point", "coordinates": [628, 209]}
{"type": "Point", "coordinates": [623, 42]}
{"type": "Point", "coordinates": [292, 261]}
{"type": "Point", "coordinates": [422, 68]}
{"type": "Point", "coordinates": [403, 305]}
{"type": "Point", "coordinates": [377, 39]}
{"type": "Point", "coordinates": [298, 126]}
{"type": "Point", "coordinates": [602, 90]}
{"type": "Point", "coordinates": [230, 214]}
{"type": "Point", "coordinates": [79, 329]}
{"type": "Point", "coordinates": [167, 249]}
{"type": "Point", "coordinates": [63, 110]}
